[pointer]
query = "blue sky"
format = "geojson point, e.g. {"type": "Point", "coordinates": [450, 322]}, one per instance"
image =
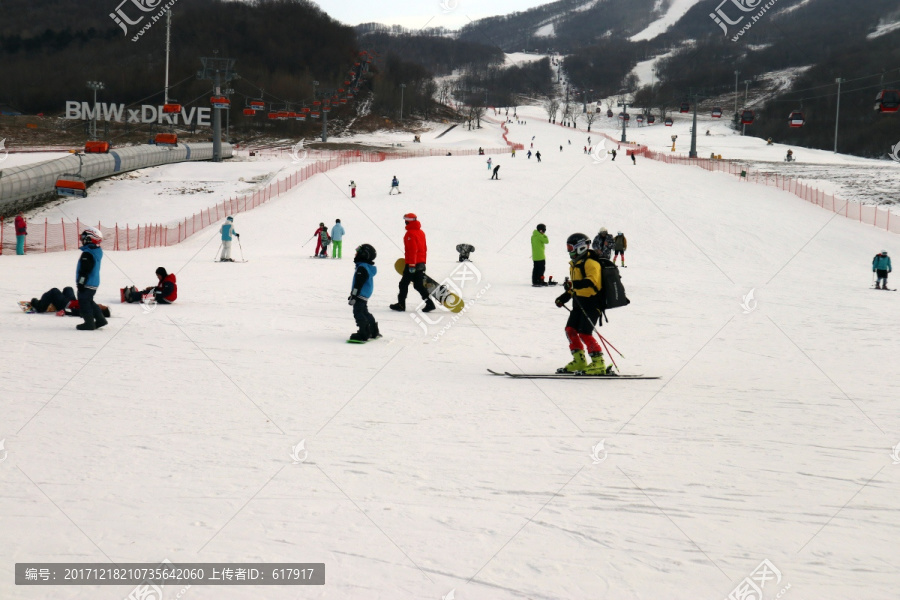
{"type": "Point", "coordinates": [416, 13]}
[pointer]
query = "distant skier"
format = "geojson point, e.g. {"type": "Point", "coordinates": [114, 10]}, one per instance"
{"type": "Point", "coordinates": [790, 156]}
{"type": "Point", "coordinates": [489, 164]}
{"type": "Point", "coordinates": [395, 185]}
{"type": "Point", "coordinates": [337, 239]}
{"type": "Point", "coordinates": [87, 279]}
{"type": "Point", "coordinates": [529, 154]}
{"type": "Point", "coordinates": [583, 286]}
{"type": "Point", "coordinates": [352, 189]}
{"type": "Point", "coordinates": [560, 148]}
{"type": "Point", "coordinates": [603, 244]}
{"type": "Point", "coordinates": [324, 240]}
{"type": "Point", "coordinates": [164, 292]}
{"type": "Point", "coordinates": [513, 152]}
{"type": "Point", "coordinates": [620, 244]}
{"type": "Point", "coordinates": [496, 170]}
{"type": "Point", "coordinates": [360, 292]}
{"type": "Point", "coordinates": [633, 158]}
{"type": "Point", "coordinates": [881, 265]}
{"type": "Point", "coordinates": [21, 233]}
{"type": "Point", "coordinates": [415, 252]}
{"type": "Point", "coordinates": [613, 151]}
{"type": "Point", "coordinates": [539, 239]}
{"type": "Point", "coordinates": [537, 155]}
{"type": "Point", "coordinates": [227, 231]}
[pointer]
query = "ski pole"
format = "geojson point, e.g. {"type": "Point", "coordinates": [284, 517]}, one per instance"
{"type": "Point", "coordinates": [241, 247]}
{"type": "Point", "coordinates": [602, 339]}
{"type": "Point", "coordinates": [309, 240]}
{"type": "Point", "coordinates": [217, 251]}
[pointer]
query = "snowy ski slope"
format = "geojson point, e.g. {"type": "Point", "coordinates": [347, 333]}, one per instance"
{"type": "Point", "coordinates": [170, 434]}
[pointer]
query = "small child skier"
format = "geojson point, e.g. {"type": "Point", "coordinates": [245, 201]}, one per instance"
{"type": "Point", "coordinates": [352, 189]}
{"type": "Point", "coordinates": [360, 292]}
{"type": "Point", "coordinates": [325, 239]}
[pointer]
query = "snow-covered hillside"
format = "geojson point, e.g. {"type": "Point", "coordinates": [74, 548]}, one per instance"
{"type": "Point", "coordinates": [172, 432]}
{"type": "Point", "coordinates": [675, 10]}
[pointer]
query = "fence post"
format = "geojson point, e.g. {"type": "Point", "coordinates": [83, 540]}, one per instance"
{"type": "Point", "coordinates": [116, 245]}
{"type": "Point", "coordinates": [45, 234]}
{"type": "Point", "coordinates": [62, 224]}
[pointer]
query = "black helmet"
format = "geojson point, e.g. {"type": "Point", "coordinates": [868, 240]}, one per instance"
{"type": "Point", "coordinates": [577, 245]}
{"type": "Point", "coordinates": [365, 253]}
{"type": "Point", "coordinates": [541, 227]}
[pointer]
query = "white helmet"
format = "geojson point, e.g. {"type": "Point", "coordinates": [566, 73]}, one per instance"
{"type": "Point", "coordinates": [91, 235]}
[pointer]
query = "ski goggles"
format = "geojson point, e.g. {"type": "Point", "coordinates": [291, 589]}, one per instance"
{"type": "Point", "coordinates": [579, 248]}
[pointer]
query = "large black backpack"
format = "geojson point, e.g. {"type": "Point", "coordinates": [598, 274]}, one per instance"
{"type": "Point", "coordinates": [612, 292]}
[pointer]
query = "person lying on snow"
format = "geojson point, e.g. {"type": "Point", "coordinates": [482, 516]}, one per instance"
{"type": "Point", "coordinates": [164, 292]}
{"type": "Point", "coordinates": [63, 303]}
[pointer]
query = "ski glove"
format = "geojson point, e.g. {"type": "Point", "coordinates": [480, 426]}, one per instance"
{"type": "Point", "coordinates": [563, 299]}
{"type": "Point", "coordinates": [567, 284]}
{"type": "Point", "coordinates": [351, 300]}
{"type": "Point", "coordinates": [237, 235]}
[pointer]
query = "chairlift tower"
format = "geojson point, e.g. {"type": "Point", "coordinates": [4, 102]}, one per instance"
{"type": "Point", "coordinates": [624, 106]}
{"type": "Point", "coordinates": [324, 94]}
{"type": "Point", "coordinates": [219, 71]}
{"type": "Point", "coordinates": [95, 85]}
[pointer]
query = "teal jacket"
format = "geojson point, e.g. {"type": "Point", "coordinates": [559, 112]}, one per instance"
{"type": "Point", "coordinates": [881, 262]}
{"type": "Point", "coordinates": [538, 241]}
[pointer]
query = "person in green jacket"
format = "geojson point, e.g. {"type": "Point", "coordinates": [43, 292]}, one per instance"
{"type": "Point", "coordinates": [538, 241]}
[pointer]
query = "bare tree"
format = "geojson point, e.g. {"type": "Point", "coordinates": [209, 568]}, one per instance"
{"type": "Point", "coordinates": [573, 116]}
{"type": "Point", "coordinates": [552, 107]}
{"type": "Point", "coordinates": [589, 116]}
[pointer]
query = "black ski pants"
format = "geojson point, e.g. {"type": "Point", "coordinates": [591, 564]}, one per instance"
{"type": "Point", "coordinates": [59, 299]}
{"type": "Point", "coordinates": [537, 273]}
{"type": "Point", "coordinates": [418, 281]}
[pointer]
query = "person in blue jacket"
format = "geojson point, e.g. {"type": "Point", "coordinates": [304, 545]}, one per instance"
{"type": "Point", "coordinates": [337, 239]}
{"type": "Point", "coordinates": [881, 265]}
{"type": "Point", "coordinates": [87, 279]}
{"type": "Point", "coordinates": [361, 291]}
{"type": "Point", "coordinates": [227, 231]}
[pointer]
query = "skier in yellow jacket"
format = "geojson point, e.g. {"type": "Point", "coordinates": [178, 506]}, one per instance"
{"type": "Point", "coordinates": [584, 286]}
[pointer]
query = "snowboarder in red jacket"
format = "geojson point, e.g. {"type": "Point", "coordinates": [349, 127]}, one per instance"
{"type": "Point", "coordinates": [415, 255]}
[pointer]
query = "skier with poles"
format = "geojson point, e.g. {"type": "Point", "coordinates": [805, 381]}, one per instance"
{"type": "Point", "coordinates": [881, 266]}
{"type": "Point", "coordinates": [227, 231]}
{"type": "Point", "coordinates": [395, 185]}
{"type": "Point", "coordinates": [318, 236]}
{"type": "Point", "coordinates": [324, 239]}
{"type": "Point", "coordinates": [583, 286]}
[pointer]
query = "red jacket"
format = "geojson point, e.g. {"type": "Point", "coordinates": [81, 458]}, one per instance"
{"type": "Point", "coordinates": [414, 243]}
{"type": "Point", "coordinates": [168, 289]}
{"type": "Point", "coordinates": [21, 227]}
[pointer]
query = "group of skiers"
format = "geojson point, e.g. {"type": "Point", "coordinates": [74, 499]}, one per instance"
{"type": "Point", "coordinates": [605, 244]}
{"type": "Point", "coordinates": [323, 239]}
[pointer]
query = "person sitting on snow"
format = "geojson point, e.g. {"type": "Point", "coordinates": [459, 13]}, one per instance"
{"type": "Point", "coordinates": [164, 292]}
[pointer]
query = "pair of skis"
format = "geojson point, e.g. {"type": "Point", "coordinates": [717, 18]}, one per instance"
{"type": "Point", "coordinates": [577, 375]}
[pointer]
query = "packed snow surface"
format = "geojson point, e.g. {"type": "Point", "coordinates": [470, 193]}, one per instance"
{"type": "Point", "coordinates": [173, 432]}
{"type": "Point", "coordinates": [676, 10]}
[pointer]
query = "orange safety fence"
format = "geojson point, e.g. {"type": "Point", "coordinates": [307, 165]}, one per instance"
{"type": "Point", "coordinates": [53, 236]}
{"type": "Point", "coordinates": [868, 214]}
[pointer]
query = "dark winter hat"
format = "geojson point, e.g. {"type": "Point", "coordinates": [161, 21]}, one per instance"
{"type": "Point", "coordinates": [230, 219]}
{"type": "Point", "coordinates": [161, 271]}
{"type": "Point", "coordinates": [321, 224]}
{"type": "Point", "coordinates": [541, 227]}
{"type": "Point", "coordinates": [337, 220]}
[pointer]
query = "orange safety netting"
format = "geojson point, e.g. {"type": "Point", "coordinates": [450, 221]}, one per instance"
{"type": "Point", "coordinates": [60, 236]}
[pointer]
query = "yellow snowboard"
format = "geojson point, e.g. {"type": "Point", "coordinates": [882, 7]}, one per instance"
{"type": "Point", "coordinates": [449, 299]}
